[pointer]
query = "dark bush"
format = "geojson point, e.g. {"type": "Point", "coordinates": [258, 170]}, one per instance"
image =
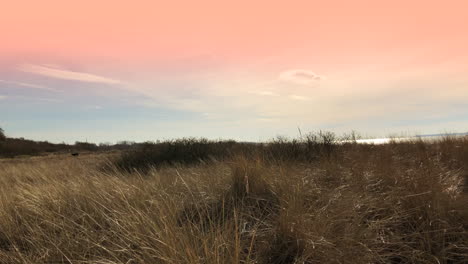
{"type": "Point", "coordinates": [11, 147]}
{"type": "Point", "coordinates": [2, 135]}
{"type": "Point", "coordinates": [181, 151]}
{"type": "Point", "coordinates": [188, 151]}
{"type": "Point", "coordinates": [307, 148]}
{"type": "Point", "coordinates": [85, 146]}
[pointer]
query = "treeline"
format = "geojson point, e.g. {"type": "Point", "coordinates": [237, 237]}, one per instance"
{"type": "Point", "coordinates": [186, 150]}
{"type": "Point", "coordinates": [12, 147]}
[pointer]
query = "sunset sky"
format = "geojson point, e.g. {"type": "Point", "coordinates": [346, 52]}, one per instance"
{"type": "Point", "coordinates": [106, 71]}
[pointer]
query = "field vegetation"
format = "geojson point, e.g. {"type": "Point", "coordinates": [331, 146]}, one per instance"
{"type": "Point", "coordinates": [305, 200]}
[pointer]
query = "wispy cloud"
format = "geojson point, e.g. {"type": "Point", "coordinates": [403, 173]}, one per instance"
{"type": "Point", "coordinates": [300, 76]}
{"type": "Point", "coordinates": [299, 97]}
{"type": "Point", "coordinates": [211, 115]}
{"type": "Point", "coordinates": [93, 107]}
{"type": "Point", "coordinates": [30, 85]}
{"type": "Point", "coordinates": [58, 73]}
{"type": "Point", "coordinates": [266, 120]}
{"type": "Point", "coordinates": [264, 93]}
{"type": "Point", "coordinates": [38, 99]}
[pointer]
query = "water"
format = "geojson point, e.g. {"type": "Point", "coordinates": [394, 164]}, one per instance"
{"type": "Point", "coordinates": [378, 141]}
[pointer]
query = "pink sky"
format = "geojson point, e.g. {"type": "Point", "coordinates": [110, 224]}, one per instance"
{"type": "Point", "coordinates": [290, 62]}
{"type": "Point", "coordinates": [326, 32]}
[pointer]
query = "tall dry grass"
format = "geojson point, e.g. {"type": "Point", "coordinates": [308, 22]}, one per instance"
{"type": "Point", "coordinates": [395, 203]}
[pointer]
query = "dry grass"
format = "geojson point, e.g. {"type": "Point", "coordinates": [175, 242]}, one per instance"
{"type": "Point", "coordinates": [395, 203]}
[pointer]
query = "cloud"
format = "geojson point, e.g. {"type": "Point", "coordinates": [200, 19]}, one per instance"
{"type": "Point", "coordinates": [30, 85]}
{"type": "Point", "coordinates": [38, 99]}
{"type": "Point", "coordinates": [211, 115]}
{"type": "Point", "coordinates": [93, 107]}
{"type": "Point", "coordinates": [65, 74]}
{"type": "Point", "coordinates": [266, 120]}
{"type": "Point", "coordinates": [2, 97]}
{"type": "Point", "coordinates": [299, 97]}
{"type": "Point", "coordinates": [264, 93]}
{"type": "Point", "coordinates": [300, 76]}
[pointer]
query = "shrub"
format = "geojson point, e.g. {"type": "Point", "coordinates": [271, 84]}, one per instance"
{"type": "Point", "coordinates": [2, 135]}
{"type": "Point", "coordinates": [188, 151]}
{"type": "Point", "coordinates": [305, 149]}
{"type": "Point", "coordinates": [181, 151]}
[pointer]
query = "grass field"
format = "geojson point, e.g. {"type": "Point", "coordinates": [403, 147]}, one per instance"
{"type": "Point", "coordinates": [395, 203]}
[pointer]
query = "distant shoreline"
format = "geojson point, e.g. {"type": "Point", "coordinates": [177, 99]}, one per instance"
{"type": "Point", "coordinates": [441, 135]}
{"type": "Point", "coordinates": [402, 139]}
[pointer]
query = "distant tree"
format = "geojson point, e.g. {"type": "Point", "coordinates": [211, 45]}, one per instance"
{"type": "Point", "coordinates": [2, 135]}
{"type": "Point", "coordinates": [85, 146]}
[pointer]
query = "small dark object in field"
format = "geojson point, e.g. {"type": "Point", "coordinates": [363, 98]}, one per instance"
{"type": "Point", "coordinates": [75, 154]}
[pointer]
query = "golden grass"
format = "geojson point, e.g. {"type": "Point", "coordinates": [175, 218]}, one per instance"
{"type": "Point", "coordinates": [396, 203]}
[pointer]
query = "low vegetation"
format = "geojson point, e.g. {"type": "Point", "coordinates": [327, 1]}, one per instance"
{"type": "Point", "coordinates": [145, 156]}
{"type": "Point", "coordinates": [182, 151]}
{"type": "Point", "coordinates": [307, 200]}
{"type": "Point", "coordinates": [14, 147]}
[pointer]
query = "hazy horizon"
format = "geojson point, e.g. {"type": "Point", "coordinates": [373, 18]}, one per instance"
{"type": "Point", "coordinates": [104, 71]}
